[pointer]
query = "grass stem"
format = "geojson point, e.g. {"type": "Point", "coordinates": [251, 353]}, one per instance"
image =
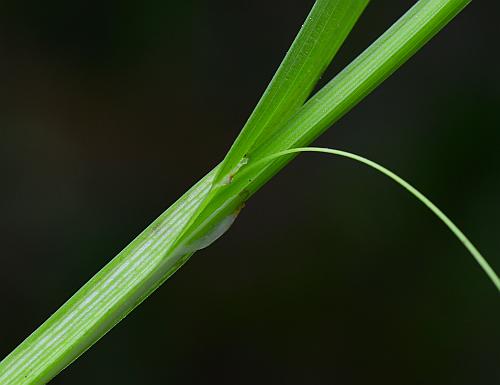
{"type": "Point", "coordinates": [171, 239]}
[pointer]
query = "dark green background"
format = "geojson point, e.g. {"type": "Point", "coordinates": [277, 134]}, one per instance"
{"type": "Point", "coordinates": [109, 110]}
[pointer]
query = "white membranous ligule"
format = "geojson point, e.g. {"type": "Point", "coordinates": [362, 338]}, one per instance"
{"type": "Point", "coordinates": [417, 194]}
{"type": "Point", "coordinates": [211, 235]}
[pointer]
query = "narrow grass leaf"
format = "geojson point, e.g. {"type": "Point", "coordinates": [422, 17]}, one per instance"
{"type": "Point", "coordinates": [319, 39]}
{"type": "Point", "coordinates": [488, 270]}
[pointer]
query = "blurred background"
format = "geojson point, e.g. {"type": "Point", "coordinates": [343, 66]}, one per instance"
{"type": "Point", "coordinates": [346, 279]}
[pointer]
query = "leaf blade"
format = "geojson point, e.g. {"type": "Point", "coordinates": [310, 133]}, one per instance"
{"type": "Point", "coordinates": [322, 34]}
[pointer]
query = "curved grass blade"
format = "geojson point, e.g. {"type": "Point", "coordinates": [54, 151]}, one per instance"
{"type": "Point", "coordinates": [412, 190]}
